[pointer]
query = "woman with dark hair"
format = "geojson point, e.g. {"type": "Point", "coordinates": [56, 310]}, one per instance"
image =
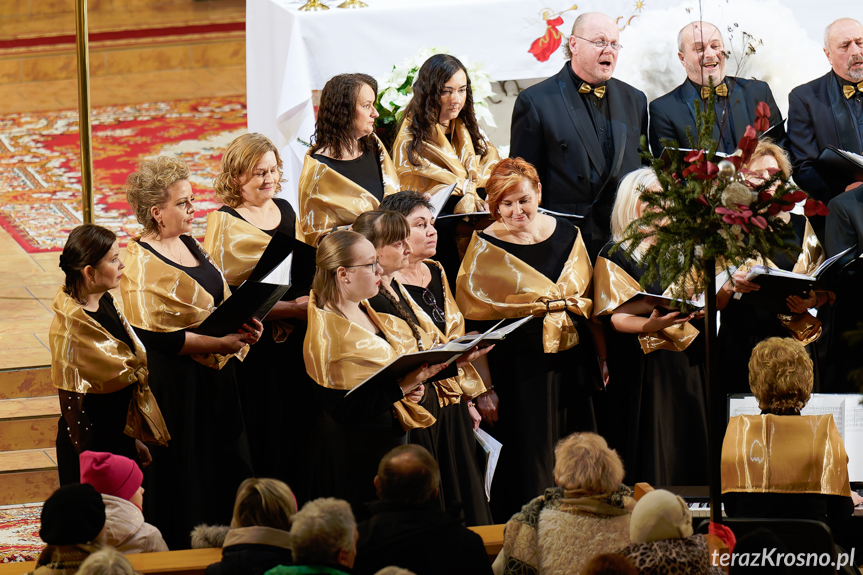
{"type": "Point", "coordinates": [97, 362]}
{"type": "Point", "coordinates": [440, 143]}
{"type": "Point", "coordinates": [170, 286]}
{"type": "Point", "coordinates": [528, 263]}
{"type": "Point", "coordinates": [451, 439]}
{"type": "Point", "coordinates": [348, 341]}
{"type": "Point", "coordinates": [278, 418]}
{"type": "Point", "coordinates": [347, 170]}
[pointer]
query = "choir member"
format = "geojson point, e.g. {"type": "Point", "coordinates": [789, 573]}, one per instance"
{"type": "Point", "coordinates": [451, 440]}
{"type": "Point", "coordinates": [440, 143]}
{"type": "Point", "coordinates": [347, 341]}
{"type": "Point", "coordinates": [658, 381]}
{"type": "Point", "coordinates": [581, 128]}
{"type": "Point", "coordinates": [742, 325]}
{"type": "Point", "coordinates": [528, 263]}
{"type": "Point", "coordinates": [347, 170]}
{"type": "Point", "coordinates": [170, 286]}
{"type": "Point", "coordinates": [98, 364]}
{"type": "Point", "coordinates": [701, 50]}
{"type": "Point", "coordinates": [276, 400]}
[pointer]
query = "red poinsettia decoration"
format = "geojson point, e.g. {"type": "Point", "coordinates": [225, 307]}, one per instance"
{"type": "Point", "coordinates": [543, 48]}
{"type": "Point", "coordinates": [762, 117]}
{"type": "Point", "coordinates": [741, 217]}
{"type": "Point", "coordinates": [814, 208]}
{"type": "Point", "coordinates": [699, 167]}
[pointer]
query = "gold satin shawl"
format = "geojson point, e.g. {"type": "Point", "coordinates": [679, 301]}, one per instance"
{"type": "Point", "coordinates": [468, 381]}
{"type": "Point", "coordinates": [162, 298]}
{"type": "Point", "coordinates": [494, 284]}
{"type": "Point", "coordinates": [236, 246]}
{"type": "Point", "coordinates": [445, 162]}
{"type": "Point", "coordinates": [613, 287]}
{"type": "Point", "coordinates": [327, 198]}
{"type": "Point", "coordinates": [339, 354]}
{"type": "Point", "coordinates": [784, 454]}
{"type": "Point", "coordinates": [86, 358]}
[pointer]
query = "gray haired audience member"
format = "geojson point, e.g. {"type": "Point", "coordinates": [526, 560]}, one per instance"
{"type": "Point", "coordinates": [408, 512]}
{"type": "Point", "coordinates": [106, 561]}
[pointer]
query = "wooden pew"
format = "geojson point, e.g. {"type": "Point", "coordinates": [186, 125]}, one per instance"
{"type": "Point", "coordinates": [195, 561]}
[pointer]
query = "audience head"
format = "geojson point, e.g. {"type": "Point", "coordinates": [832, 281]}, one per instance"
{"type": "Point", "coordinates": [628, 206]}
{"type": "Point", "coordinates": [264, 502]}
{"type": "Point", "coordinates": [584, 462]}
{"type": "Point", "coordinates": [843, 45]}
{"type": "Point", "coordinates": [388, 231]}
{"type": "Point", "coordinates": [251, 171]}
{"type": "Point", "coordinates": [91, 261]}
{"type": "Point", "coordinates": [347, 268]}
{"type": "Point", "coordinates": [660, 515]}
{"type": "Point", "coordinates": [113, 475]}
{"type": "Point", "coordinates": [592, 63]}
{"type": "Point", "coordinates": [754, 543]}
{"type": "Point", "coordinates": [106, 561]}
{"type": "Point", "coordinates": [346, 116]}
{"type": "Point", "coordinates": [161, 196]}
{"type": "Point", "coordinates": [780, 375]}
{"type": "Point", "coordinates": [701, 50]}
{"type": "Point", "coordinates": [441, 93]}
{"type": "Point", "coordinates": [407, 475]}
{"type": "Point", "coordinates": [73, 515]}
{"type": "Point", "coordinates": [416, 208]}
{"type": "Point", "coordinates": [514, 192]}
{"type": "Point", "coordinates": [393, 570]}
{"type": "Point", "coordinates": [610, 564]}
{"type": "Point", "coordinates": [324, 532]}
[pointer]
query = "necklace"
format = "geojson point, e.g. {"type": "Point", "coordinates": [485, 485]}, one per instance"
{"type": "Point", "coordinates": [174, 256]}
{"type": "Point", "coordinates": [422, 281]}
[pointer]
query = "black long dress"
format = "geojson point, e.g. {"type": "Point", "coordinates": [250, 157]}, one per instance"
{"type": "Point", "coordinates": [742, 327]}
{"type": "Point", "coordinates": [105, 412]}
{"type": "Point", "coordinates": [543, 396]}
{"type": "Point", "coordinates": [450, 440]}
{"type": "Point", "coordinates": [195, 479]}
{"type": "Point", "coordinates": [657, 403]}
{"type": "Point", "coordinates": [278, 398]}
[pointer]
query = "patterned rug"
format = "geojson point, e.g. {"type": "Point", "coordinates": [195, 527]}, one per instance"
{"type": "Point", "coordinates": [40, 174]}
{"type": "Point", "coordinates": [19, 533]}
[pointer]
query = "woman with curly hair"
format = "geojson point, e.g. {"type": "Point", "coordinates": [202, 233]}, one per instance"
{"type": "Point", "coordinates": [347, 170]}
{"type": "Point", "coordinates": [170, 286]}
{"type": "Point", "coordinates": [277, 415]}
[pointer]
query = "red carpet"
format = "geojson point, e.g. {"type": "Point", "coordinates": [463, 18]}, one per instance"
{"type": "Point", "coordinates": [19, 533]}
{"type": "Point", "coordinates": [40, 179]}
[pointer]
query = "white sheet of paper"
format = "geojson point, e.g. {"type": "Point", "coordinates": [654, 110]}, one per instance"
{"type": "Point", "coordinates": [281, 274]}
{"type": "Point", "coordinates": [492, 448]}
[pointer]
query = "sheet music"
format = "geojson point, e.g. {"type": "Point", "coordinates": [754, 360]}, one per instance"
{"type": "Point", "coordinates": [857, 157]}
{"type": "Point", "coordinates": [853, 437]}
{"type": "Point", "coordinates": [281, 274]}
{"type": "Point", "coordinates": [438, 201]}
{"type": "Point", "coordinates": [492, 448]}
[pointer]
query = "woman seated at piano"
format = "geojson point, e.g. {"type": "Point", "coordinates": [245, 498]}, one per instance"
{"type": "Point", "coordinates": [655, 369]}
{"type": "Point", "coordinates": [275, 407]}
{"type": "Point", "coordinates": [743, 325]}
{"type": "Point", "coordinates": [440, 143]}
{"type": "Point", "coordinates": [805, 455]}
{"type": "Point", "coordinates": [347, 170]}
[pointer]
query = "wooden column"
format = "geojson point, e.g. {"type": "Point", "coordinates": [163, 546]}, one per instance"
{"type": "Point", "coordinates": [83, 60]}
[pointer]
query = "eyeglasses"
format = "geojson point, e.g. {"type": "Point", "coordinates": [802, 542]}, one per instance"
{"type": "Point", "coordinates": [371, 267]}
{"type": "Point", "coordinates": [602, 44]}
{"type": "Point", "coordinates": [437, 312]}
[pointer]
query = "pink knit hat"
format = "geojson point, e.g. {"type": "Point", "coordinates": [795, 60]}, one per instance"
{"type": "Point", "coordinates": [111, 474]}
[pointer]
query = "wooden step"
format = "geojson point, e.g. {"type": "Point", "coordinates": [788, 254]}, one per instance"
{"type": "Point", "coordinates": [28, 423]}
{"type": "Point", "coordinates": [27, 476]}
{"type": "Point", "coordinates": [29, 382]}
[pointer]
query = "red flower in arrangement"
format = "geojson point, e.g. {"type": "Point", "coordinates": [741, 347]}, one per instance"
{"type": "Point", "coordinates": [699, 167]}
{"type": "Point", "coordinates": [759, 221]}
{"type": "Point", "coordinates": [814, 208]}
{"type": "Point", "coordinates": [702, 200]}
{"type": "Point", "coordinates": [762, 117]}
{"type": "Point", "coordinates": [747, 144]}
{"type": "Point", "coordinates": [739, 218]}
{"type": "Point", "coordinates": [543, 48]}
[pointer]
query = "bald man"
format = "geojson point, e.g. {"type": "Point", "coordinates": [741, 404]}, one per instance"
{"type": "Point", "coordinates": [828, 111]}
{"type": "Point", "coordinates": [701, 50]}
{"type": "Point", "coordinates": [581, 128]}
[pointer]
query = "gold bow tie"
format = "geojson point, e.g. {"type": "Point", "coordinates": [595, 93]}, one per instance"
{"type": "Point", "coordinates": [587, 89]}
{"type": "Point", "coordinates": [850, 90]}
{"type": "Point", "coordinates": [721, 90]}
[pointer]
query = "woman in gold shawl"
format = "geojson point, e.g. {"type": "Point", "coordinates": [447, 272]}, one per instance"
{"type": "Point", "coordinates": [276, 399]}
{"type": "Point", "coordinates": [170, 286]}
{"type": "Point", "coordinates": [98, 364]}
{"type": "Point", "coordinates": [528, 263]}
{"type": "Point", "coordinates": [657, 411]}
{"type": "Point", "coordinates": [348, 341]}
{"type": "Point", "coordinates": [451, 439]}
{"type": "Point", "coordinates": [440, 143]}
{"type": "Point", "coordinates": [347, 170]}
{"type": "Point", "coordinates": [743, 325]}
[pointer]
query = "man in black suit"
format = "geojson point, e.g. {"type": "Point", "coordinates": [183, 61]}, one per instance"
{"type": "Point", "coordinates": [702, 53]}
{"type": "Point", "coordinates": [581, 128]}
{"type": "Point", "coordinates": [828, 111]}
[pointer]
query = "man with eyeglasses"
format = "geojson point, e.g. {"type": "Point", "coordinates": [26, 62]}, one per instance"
{"type": "Point", "coordinates": [581, 128]}
{"type": "Point", "coordinates": [701, 50]}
